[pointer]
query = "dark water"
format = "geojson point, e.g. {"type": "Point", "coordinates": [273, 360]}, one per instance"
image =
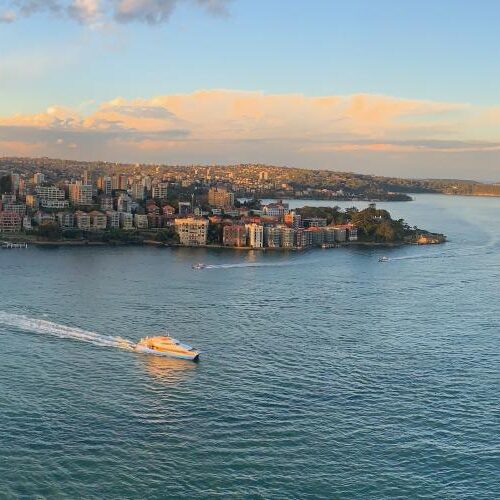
{"type": "Point", "coordinates": [324, 374]}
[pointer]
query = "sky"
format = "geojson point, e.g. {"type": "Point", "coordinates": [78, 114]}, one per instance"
{"type": "Point", "coordinates": [374, 86]}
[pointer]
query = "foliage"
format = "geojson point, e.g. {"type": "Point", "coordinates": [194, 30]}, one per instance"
{"type": "Point", "coordinates": [333, 215]}
{"type": "Point", "coordinates": [168, 235]}
{"type": "Point", "coordinates": [50, 231]}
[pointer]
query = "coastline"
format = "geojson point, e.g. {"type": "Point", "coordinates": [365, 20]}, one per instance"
{"type": "Point", "coordinates": [158, 244]}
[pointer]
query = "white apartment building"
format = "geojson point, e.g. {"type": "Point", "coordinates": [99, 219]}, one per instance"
{"type": "Point", "coordinates": [255, 235]}
{"type": "Point", "coordinates": [98, 220]}
{"type": "Point", "coordinates": [82, 220]}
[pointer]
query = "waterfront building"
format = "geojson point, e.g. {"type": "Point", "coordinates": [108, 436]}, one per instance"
{"type": "Point", "coordinates": [255, 235]}
{"type": "Point", "coordinates": [42, 218]}
{"type": "Point", "coordinates": [292, 219]}
{"type": "Point", "coordinates": [26, 223]}
{"type": "Point", "coordinates": [10, 222]}
{"type": "Point", "coordinates": [66, 220]}
{"type": "Point", "coordinates": [80, 194]}
{"type": "Point", "coordinates": [126, 221]}
{"type": "Point", "coordinates": [234, 235]}
{"type": "Point", "coordinates": [82, 220]}
{"type": "Point", "coordinates": [192, 231]}
{"type": "Point", "coordinates": [220, 197]}
{"type": "Point", "coordinates": [98, 220]}
{"type": "Point", "coordinates": [287, 237]}
{"type": "Point", "coordinates": [340, 233]}
{"type": "Point", "coordinates": [112, 219]}
{"type": "Point", "coordinates": [141, 221]}
{"type": "Point", "coordinates": [272, 236]}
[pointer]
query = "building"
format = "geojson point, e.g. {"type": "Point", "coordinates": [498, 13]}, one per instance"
{"type": "Point", "coordinates": [287, 237]}
{"type": "Point", "coordinates": [27, 226]}
{"type": "Point", "coordinates": [255, 235]}
{"type": "Point", "coordinates": [10, 222]}
{"type": "Point", "coordinates": [191, 231]}
{"type": "Point", "coordinates": [113, 219]}
{"type": "Point", "coordinates": [141, 221]}
{"type": "Point", "coordinates": [82, 220]}
{"type": "Point", "coordinates": [185, 208]}
{"type": "Point", "coordinates": [138, 191]}
{"type": "Point", "coordinates": [124, 203]}
{"type": "Point", "coordinates": [220, 197]}
{"type": "Point", "coordinates": [98, 220]}
{"type": "Point", "coordinates": [50, 193]}
{"type": "Point", "coordinates": [234, 235]}
{"type": "Point", "coordinates": [314, 222]}
{"type": "Point", "coordinates": [54, 204]}
{"type": "Point", "coordinates": [279, 209]}
{"type": "Point", "coordinates": [80, 194]}
{"type": "Point", "coordinates": [105, 184]}
{"type": "Point", "coordinates": [272, 236]}
{"type": "Point", "coordinates": [38, 178]}
{"type": "Point", "coordinates": [106, 203]}
{"type": "Point", "coordinates": [159, 191]}
{"type": "Point", "coordinates": [66, 220]}
{"type": "Point", "coordinates": [126, 221]}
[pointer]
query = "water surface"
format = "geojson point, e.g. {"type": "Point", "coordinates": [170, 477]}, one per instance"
{"type": "Point", "coordinates": [324, 374]}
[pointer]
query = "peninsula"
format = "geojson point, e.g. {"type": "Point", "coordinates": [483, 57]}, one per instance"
{"type": "Point", "coordinates": [50, 207]}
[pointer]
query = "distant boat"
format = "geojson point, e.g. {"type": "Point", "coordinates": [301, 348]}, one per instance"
{"type": "Point", "coordinates": [383, 259]}
{"type": "Point", "coordinates": [163, 345]}
{"type": "Point", "coordinates": [9, 245]}
{"type": "Point", "coordinates": [198, 266]}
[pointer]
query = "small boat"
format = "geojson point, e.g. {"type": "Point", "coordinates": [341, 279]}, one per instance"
{"type": "Point", "coordinates": [383, 259]}
{"type": "Point", "coordinates": [163, 345]}
{"type": "Point", "coordinates": [198, 266]}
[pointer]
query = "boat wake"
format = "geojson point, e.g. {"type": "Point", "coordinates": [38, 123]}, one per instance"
{"type": "Point", "coordinates": [62, 331]}
{"type": "Point", "coordinates": [247, 264]}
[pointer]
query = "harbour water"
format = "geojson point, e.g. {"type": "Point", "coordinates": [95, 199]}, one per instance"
{"type": "Point", "coordinates": [324, 374]}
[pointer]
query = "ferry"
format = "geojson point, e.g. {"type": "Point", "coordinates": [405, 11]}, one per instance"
{"type": "Point", "coordinates": [163, 345]}
{"type": "Point", "coordinates": [199, 266]}
{"type": "Point", "coordinates": [383, 259]}
{"type": "Point", "coordinates": [9, 245]}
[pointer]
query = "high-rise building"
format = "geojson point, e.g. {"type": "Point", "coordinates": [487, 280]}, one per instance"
{"type": "Point", "coordinates": [255, 235]}
{"type": "Point", "coordinates": [159, 191]}
{"type": "Point", "coordinates": [138, 191]}
{"type": "Point", "coordinates": [38, 178]}
{"type": "Point", "coordinates": [220, 197]}
{"type": "Point", "coordinates": [80, 194]}
{"type": "Point", "coordinates": [234, 235]}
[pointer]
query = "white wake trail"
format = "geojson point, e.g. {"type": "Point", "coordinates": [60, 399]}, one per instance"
{"type": "Point", "coordinates": [62, 331]}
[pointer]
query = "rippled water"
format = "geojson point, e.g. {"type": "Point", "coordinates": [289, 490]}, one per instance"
{"type": "Point", "coordinates": [324, 374]}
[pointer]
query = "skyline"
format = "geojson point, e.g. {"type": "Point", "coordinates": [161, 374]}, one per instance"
{"type": "Point", "coordinates": [381, 89]}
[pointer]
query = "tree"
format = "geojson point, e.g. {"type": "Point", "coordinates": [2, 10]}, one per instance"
{"type": "Point", "coordinates": [50, 231]}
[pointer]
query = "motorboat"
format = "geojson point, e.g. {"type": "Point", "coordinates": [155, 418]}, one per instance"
{"type": "Point", "coordinates": [198, 266]}
{"type": "Point", "coordinates": [383, 259]}
{"type": "Point", "coordinates": [163, 345]}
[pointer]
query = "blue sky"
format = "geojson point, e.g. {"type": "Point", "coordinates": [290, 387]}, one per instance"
{"type": "Point", "coordinates": [442, 51]}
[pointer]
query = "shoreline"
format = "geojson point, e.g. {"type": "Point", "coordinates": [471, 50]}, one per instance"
{"type": "Point", "coordinates": [158, 244]}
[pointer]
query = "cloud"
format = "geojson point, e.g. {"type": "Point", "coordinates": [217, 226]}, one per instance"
{"type": "Point", "coordinates": [8, 16]}
{"type": "Point", "coordinates": [380, 133]}
{"type": "Point", "coordinates": [93, 12]}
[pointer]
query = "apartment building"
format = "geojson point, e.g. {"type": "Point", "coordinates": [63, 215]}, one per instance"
{"type": "Point", "coordinates": [192, 231]}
